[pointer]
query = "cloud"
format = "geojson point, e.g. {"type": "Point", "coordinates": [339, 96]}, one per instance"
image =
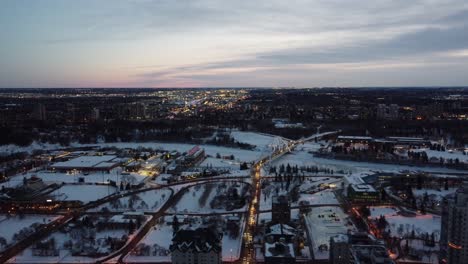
{"type": "Point", "coordinates": [212, 42]}
{"type": "Point", "coordinates": [429, 40]}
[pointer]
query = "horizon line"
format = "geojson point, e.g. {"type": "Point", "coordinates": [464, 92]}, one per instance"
{"type": "Point", "coordinates": [245, 87]}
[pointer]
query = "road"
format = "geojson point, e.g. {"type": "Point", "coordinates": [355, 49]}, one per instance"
{"type": "Point", "coordinates": [247, 255]}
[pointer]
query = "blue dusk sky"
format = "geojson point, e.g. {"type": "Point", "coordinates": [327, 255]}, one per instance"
{"type": "Point", "coordinates": [217, 43]}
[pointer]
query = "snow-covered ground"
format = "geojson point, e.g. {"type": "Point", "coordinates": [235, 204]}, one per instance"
{"type": "Point", "coordinates": [9, 226]}
{"type": "Point", "coordinates": [444, 154]}
{"type": "Point", "coordinates": [262, 142]}
{"type": "Point", "coordinates": [11, 148]}
{"type": "Point", "coordinates": [400, 225]}
{"type": "Point", "coordinates": [64, 254]}
{"type": "Point", "coordinates": [197, 199]}
{"type": "Point", "coordinates": [324, 197]}
{"type": "Point", "coordinates": [323, 223]}
{"type": "Point", "coordinates": [238, 173]}
{"type": "Point", "coordinates": [149, 201]}
{"type": "Point", "coordinates": [83, 192]}
{"type": "Point", "coordinates": [427, 254]}
{"type": "Point", "coordinates": [232, 246]}
{"type": "Point", "coordinates": [303, 158]}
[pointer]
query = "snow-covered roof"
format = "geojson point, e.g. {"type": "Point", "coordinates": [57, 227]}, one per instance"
{"type": "Point", "coordinates": [323, 223]}
{"type": "Point", "coordinates": [363, 188]}
{"type": "Point", "coordinates": [85, 162]}
{"type": "Point", "coordinates": [281, 229]}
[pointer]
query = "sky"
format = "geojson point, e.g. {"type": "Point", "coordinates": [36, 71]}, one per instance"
{"type": "Point", "coordinates": [236, 43]}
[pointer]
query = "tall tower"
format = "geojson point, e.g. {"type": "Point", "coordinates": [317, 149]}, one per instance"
{"type": "Point", "coordinates": [457, 227]}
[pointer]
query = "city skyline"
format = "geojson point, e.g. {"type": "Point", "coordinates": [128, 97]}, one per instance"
{"type": "Point", "coordinates": [233, 44]}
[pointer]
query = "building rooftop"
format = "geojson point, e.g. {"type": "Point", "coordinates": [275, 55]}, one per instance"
{"type": "Point", "coordinates": [279, 250]}
{"type": "Point", "coordinates": [363, 188]}
{"type": "Point", "coordinates": [201, 240]}
{"type": "Point", "coordinates": [86, 162]}
{"type": "Point", "coordinates": [281, 229]}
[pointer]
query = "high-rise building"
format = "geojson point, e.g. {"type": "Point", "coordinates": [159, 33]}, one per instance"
{"type": "Point", "coordinates": [95, 114]}
{"type": "Point", "coordinates": [280, 209]}
{"type": "Point", "coordinates": [381, 111]}
{"type": "Point", "coordinates": [457, 228]}
{"type": "Point", "coordinates": [39, 112]}
{"type": "Point", "coordinates": [393, 111]}
{"type": "Point", "coordinates": [443, 231]}
{"type": "Point", "coordinates": [71, 113]}
{"type": "Point", "coordinates": [390, 112]}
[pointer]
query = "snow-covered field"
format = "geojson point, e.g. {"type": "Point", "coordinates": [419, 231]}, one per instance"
{"type": "Point", "coordinates": [262, 142]}
{"type": "Point", "coordinates": [149, 201]}
{"type": "Point", "coordinates": [303, 158]}
{"type": "Point", "coordinates": [84, 192]}
{"type": "Point", "coordinates": [9, 226]}
{"type": "Point", "coordinates": [400, 225]}
{"type": "Point", "coordinates": [443, 154]}
{"type": "Point", "coordinates": [323, 223]}
{"type": "Point", "coordinates": [197, 199]}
